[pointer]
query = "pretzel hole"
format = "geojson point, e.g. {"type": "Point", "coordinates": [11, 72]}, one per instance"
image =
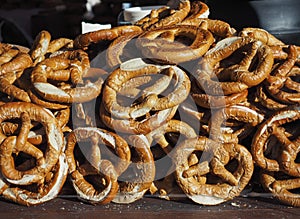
{"type": "Point", "coordinates": [232, 165]}
{"type": "Point", "coordinates": [24, 161]}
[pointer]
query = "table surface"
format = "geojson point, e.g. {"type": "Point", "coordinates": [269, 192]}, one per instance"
{"type": "Point", "coordinates": [68, 206]}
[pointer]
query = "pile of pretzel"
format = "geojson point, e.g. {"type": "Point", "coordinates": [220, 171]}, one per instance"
{"type": "Point", "coordinates": [180, 106]}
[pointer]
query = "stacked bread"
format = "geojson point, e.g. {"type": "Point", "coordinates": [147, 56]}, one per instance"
{"type": "Point", "coordinates": [178, 106]}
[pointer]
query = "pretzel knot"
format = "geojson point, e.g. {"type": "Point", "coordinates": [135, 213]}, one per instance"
{"type": "Point", "coordinates": [175, 44]}
{"type": "Point", "coordinates": [137, 179]}
{"type": "Point", "coordinates": [275, 145]}
{"type": "Point", "coordinates": [71, 69]}
{"type": "Point", "coordinates": [230, 66]}
{"type": "Point", "coordinates": [205, 179]}
{"type": "Point", "coordinates": [93, 168]}
{"type": "Point", "coordinates": [25, 164]}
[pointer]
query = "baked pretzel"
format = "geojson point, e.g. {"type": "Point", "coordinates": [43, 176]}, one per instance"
{"type": "Point", "coordinates": [40, 46]}
{"type": "Point", "coordinates": [45, 191]}
{"type": "Point", "coordinates": [70, 66]}
{"type": "Point", "coordinates": [93, 175]}
{"type": "Point", "coordinates": [165, 16]}
{"type": "Point", "coordinates": [249, 118]}
{"type": "Point", "coordinates": [82, 41]}
{"type": "Point", "coordinates": [282, 186]}
{"type": "Point", "coordinates": [193, 175]}
{"type": "Point", "coordinates": [149, 98]}
{"type": "Point", "coordinates": [137, 179]}
{"type": "Point", "coordinates": [198, 10]}
{"type": "Point", "coordinates": [280, 84]}
{"type": "Point", "coordinates": [261, 35]}
{"type": "Point", "coordinates": [161, 43]}
{"type": "Point", "coordinates": [45, 161]}
{"type": "Point", "coordinates": [282, 155]}
{"type": "Point", "coordinates": [219, 28]}
{"type": "Point", "coordinates": [236, 76]}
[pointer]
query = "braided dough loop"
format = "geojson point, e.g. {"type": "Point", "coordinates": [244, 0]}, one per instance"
{"type": "Point", "coordinates": [284, 188]}
{"type": "Point", "coordinates": [160, 43]}
{"type": "Point", "coordinates": [237, 77]}
{"type": "Point", "coordinates": [48, 190]}
{"type": "Point", "coordinates": [95, 164]}
{"type": "Point", "coordinates": [192, 179]}
{"type": "Point", "coordinates": [70, 66]}
{"type": "Point", "coordinates": [45, 161]}
{"type": "Point", "coordinates": [165, 16]}
{"type": "Point", "coordinates": [238, 113]}
{"type": "Point", "coordinates": [120, 76]}
{"type": "Point", "coordinates": [82, 41]}
{"type": "Point", "coordinates": [137, 179]}
{"type": "Point", "coordinates": [283, 159]}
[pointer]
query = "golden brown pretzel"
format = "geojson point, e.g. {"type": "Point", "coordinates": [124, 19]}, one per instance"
{"type": "Point", "coordinates": [40, 46]}
{"type": "Point", "coordinates": [280, 79]}
{"type": "Point", "coordinates": [72, 67]}
{"type": "Point", "coordinates": [281, 156]}
{"type": "Point", "coordinates": [131, 126]}
{"type": "Point", "coordinates": [261, 35]}
{"type": "Point", "coordinates": [82, 41]}
{"type": "Point", "coordinates": [237, 76]}
{"type": "Point", "coordinates": [248, 116]}
{"type": "Point", "coordinates": [148, 98]}
{"type": "Point", "coordinates": [193, 179]}
{"type": "Point", "coordinates": [45, 160]}
{"type": "Point", "coordinates": [198, 10]}
{"type": "Point", "coordinates": [161, 43]}
{"type": "Point", "coordinates": [42, 192]}
{"type": "Point", "coordinates": [118, 47]}
{"type": "Point", "coordinates": [282, 186]}
{"type": "Point", "coordinates": [137, 179]}
{"type": "Point", "coordinates": [217, 27]}
{"type": "Point", "coordinates": [165, 16]}
{"type": "Point", "coordinates": [88, 165]}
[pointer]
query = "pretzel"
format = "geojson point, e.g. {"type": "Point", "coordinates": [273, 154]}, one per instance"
{"type": "Point", "coordinates": [207, 101]}
{"type": "Point", "coordinates": [283, 187]}
{"type": "Point", "coordinates": [57, 44]}
{"type": "Point", "coordinates": [12, 60]}
{"type": "Point", "coordinates": [160, 43]}
{"type": "Point", "coordinates": [137, 179]}
{"type": "Point", "coordinates": [120, 76]}
{"type": "Point", "coordinates": [40, 46]}
{"type": "Point", "coordinates": [118, 47]}
{"type": "Point", "coordinates": [165, 16]}
{"type": "Point", "coordinates": [217, 27]}
{"type": "Point", "coordinates": [132, 126]}
{"type": "Point", "coordinates": [238, 113]}
{"type": "Point", "coordinates": [45, 161]}
{"type": "Point", "coordinates": [261, 35]}
{"type": "Point", "coordinates": [82, 41]}
{"type": "Point", "coordinates": [270, 157]}
{"type": "Point", "coordinates": [236, 77]}
{"type": "Point", "coordinates": [77, 65]}
{"type": "Point", "coordinates": [45, 191]}
{"type": "Point", "coordinates": [89, 160]}
{"type": "Point", "coordinates": [193, 179]}
{"type": "Point", "coordinates": [198, 10]}
{"type": "Point", "coordinates": [280, 79]}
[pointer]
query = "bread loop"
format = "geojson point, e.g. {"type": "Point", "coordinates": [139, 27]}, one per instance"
{"type": "Point", "coordinates": [147, 98]}
{"type": "Point", "coordinates": [137, 179]}
{"type": "Point", "coordinates": [249, 118]}
{"type": "Point", "coordinates": [283, 187]}
{"type": "Point", "coordinates": [282, 155]}
{"type": "Point", "coordinates": [237, 75]}
{"type": "Point", "coordinates": [163, 44]}
{"type": "Point", "coordinates": [193, 176]}
{"type": "Point", "coordinates": [90, 162]}
{"type": "Point", "coordinates": [82, 41]}
{"type": "Point", "coordinates": [45, 160]}
{"type": "Point", "coordinates": [165, 16]}
{"type": "Point", "coordinates": [69, 67]}
{"type": "Point", "coordinates": [35, 194]}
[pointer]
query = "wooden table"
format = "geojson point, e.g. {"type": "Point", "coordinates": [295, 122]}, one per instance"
{"type": "Point", "coordinates": [66, 206]}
